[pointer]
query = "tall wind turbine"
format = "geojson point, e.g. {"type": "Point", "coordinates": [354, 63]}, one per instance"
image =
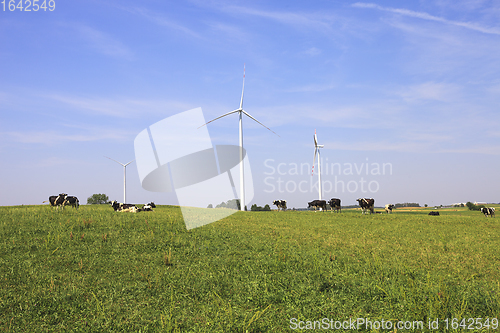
{"type": "Point", "coordinates": [124, 178]}
{"type": "Point", "coordinates": [316, 150]}
{"type": "Point", "coordinates": [240, 111]}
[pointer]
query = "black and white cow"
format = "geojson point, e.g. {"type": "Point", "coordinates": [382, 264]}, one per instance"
{"type": "Point", "coordinates": [366, 204]}
{"type": "Point", "coordinates": [335, 204]}
{"type": "Point", "coordinates": [317, 204]}
{"type": "Point", "coordinates": [125, 208]}
{"type": "Point", "coordinates": [71, 201]}
{"type": "Point", "coordinates": [434, 213]}
{"type": "Point", "coordinates": [488, 211]}
{"type": "Point", "coordinates": [148, 207]}
{"type": "Point", "coordinates": [57, 200]}
{"type": "Point", "coordinates": [388, 208]}
{"type": "Point", "coordinates": [280, 204]}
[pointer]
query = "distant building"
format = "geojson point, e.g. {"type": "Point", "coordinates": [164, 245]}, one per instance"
{"type": "Point", "coordinates": [479, 203]}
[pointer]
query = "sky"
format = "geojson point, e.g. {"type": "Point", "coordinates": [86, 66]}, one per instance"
{"type": "Point", "coordinates": [404, 95]}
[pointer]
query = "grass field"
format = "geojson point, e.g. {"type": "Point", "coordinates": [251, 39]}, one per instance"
{"type": "Point", "coordinates": [94, 270]}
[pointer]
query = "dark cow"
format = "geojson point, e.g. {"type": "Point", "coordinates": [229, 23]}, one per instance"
{"type": "Point", "coordinates": [366, 204]}
{"type": "Point", "coordinates": [280, 204]}
{"type": "Point", "coordinates": [434, 213]}
{"type": "Point", "coordinates": [317, 204]}
{"type": "Point", "coordinates": [122, 207]}
{"type": "Point", "coordinates": [71, 201]}
{"type": "Point", "coordinates": [388, 208]}
{"type": "Point", "coordinates": [335, 204]}
{"type": "Point", "coordinates": [57, 200]}
{"type": "Point", "coordinates": [148, 207]}
{"type": "Point", "coordinates": [488, 211]}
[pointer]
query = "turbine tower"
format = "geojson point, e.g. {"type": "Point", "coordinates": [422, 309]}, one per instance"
{"type": "Point", "coordinates": [124, 178]}
{"type": "Point", "coordinates": [240, 111]}
{"type": "Point", "coordinates": [316, 150]}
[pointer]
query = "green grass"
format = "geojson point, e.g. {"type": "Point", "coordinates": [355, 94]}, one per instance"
{"type": "Point", "coordinates": [94, 270]}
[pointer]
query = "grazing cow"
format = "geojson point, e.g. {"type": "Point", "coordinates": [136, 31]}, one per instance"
{"type": "Point", "coordinates": [125, 208]}
{"type": "Point", "coordinates": [57, 200]}
{"type": "Point", "coordinates": [434, 213]}
{"type": "Point", "coordinates": [388, 208]}
{"type": "Point", "coordinates": [488, 211]}
{"type": "Point", "coordinates": [148, 207]}
{"type": "Point", "coordinates": [366, 204]}
{"type": "Point", "coordinates": [335, 204]}
{"type": "Point", "coordinates": [280, 204]}
{"type": "Point", "coordinates": [71, 201]}
{"type": "Point", "coordinates": [317, 204]}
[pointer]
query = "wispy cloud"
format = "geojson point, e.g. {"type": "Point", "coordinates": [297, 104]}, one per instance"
{"type": "Point", "coordinates": [313, 51]}
{"type": "Point", "coordinates": [429, 17]}
{"type": "Point", "coordinates": [117, 107]}
{"type": "Point", "coordinates": [56, 137]}
{"type": "Point", "coordinates": [162, 20]}
{"type": "Point", "coordinates": [312, 88]}
{"type": "Point", "coordinates": [443, 92]}
{"type": "Point", "coordinates": [297, 20]}
{"type": "Point", "coordinates": [103, 42]}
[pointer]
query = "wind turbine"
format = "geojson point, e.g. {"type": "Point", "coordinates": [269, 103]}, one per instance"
{"type": "Point", "coordinates": [240, 111]}
{"type": "Point", "coordinates": [124, 178]}
{"type": "Point", "coordinates": [316, 150]}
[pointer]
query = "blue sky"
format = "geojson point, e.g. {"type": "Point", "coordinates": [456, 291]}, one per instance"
{"type": "Point", "coordinates": [414, 85]}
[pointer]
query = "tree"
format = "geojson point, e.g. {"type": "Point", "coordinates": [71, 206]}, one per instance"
{"type": "Point", "coordinates": [97, 199]}
{"type": "Point", "coordinates": [267, 208]}
{"type": "Point", "coordinates": [210, 206]}
{"type": "Point", "coordinates": [471, 206]}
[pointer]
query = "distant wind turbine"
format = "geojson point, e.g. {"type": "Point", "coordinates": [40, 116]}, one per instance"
{"type": "Point", "coordinates": [241, 112]}
{"type": "Point", "coordinates": [124, 178]}
{"type": "Point", "coordinates": [316, 150]}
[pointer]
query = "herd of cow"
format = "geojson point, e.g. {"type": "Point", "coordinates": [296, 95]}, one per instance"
{"type": "Point", "coordinates": [366, 204]}
{"type": "Point", "coordinates": [131, 208]}
{"type": "Point", "coordinates": [62, 200]}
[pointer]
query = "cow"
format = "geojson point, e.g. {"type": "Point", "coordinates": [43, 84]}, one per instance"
{"type": "Point", "coordinates": [71, 201]}
{"type": "Point", "coordinates": [366, 204]}
{"type": "Point", "coordinates": [317, 204]}
{"type": "Point", "coordinates": [57, 200]}
{"type": "Point", "coordinates": [123, 207]}
{"type": "Point", "coordinates": [335, 204]}
{"type": "Point", "coordinates": [148, 207]}
{"type": "Point", "coordinates": [488, 211]}
{"type": "Point", "coordinates": [280, 204]}
{"type": "Point", "coordinates": [388, 208]}
{"type": "Point", "coordinates": [434, 213]}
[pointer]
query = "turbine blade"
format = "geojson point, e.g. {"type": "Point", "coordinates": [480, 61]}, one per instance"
{"type": "Point", "coordinates": [225, 114]}
{"type": "Point", "coordinates": [128, 163]}
{"type": "Point", "coordinates": [115, 160]}
{"type": "Point", "coordinates": [314, 160]}
{"type": "Point", "coordinates": [242, 89]}
{"type": "Point", "coordinates": [315, 139]}
{"type": "Point", "coordinates": [246, 113]}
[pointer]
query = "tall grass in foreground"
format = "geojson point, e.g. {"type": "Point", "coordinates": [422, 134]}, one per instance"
{"type": "Point", "coordinates": [94, 270]}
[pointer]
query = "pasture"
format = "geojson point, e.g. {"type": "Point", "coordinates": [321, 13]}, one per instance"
{"type": "Point", "coordinates": [95, 270]}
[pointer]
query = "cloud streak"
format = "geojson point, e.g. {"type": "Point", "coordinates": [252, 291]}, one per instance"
{"type": "Point", "coordinates": [429, 17]}
{"type": "Point", "coordinates": [104, 43]}
{"type": "Point", "coordinates": [116, 107]}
